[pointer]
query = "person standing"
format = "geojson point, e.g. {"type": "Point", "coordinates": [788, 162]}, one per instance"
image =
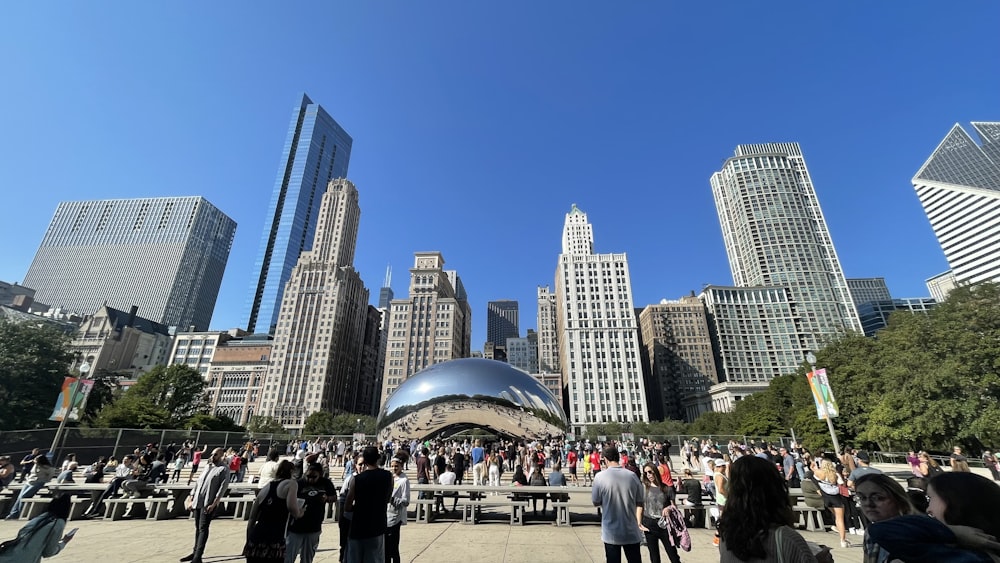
{"type": "Point", "coordinates": [367, 499]}
{"type": "Point", "coordinates": [196, 461]}
{"type": "Point", "coordinates": [478, 455]}
{"type": "Point", "coordinates": [303, 533]}
{"type": "Point", "coordinates": [396, 511]}
{"type": "Point", "coordinates": [656, 502]}
{"type": "Point", "coordinates": [269, 468]}
{"type": "Point", "coordinates": [958, 461]}
{"type": "Point", "coordinates": [621, 496]}
{"type": "Point", "coordinates": [204, 501]}
{"type": "Point", "coordinates": [269, 517]}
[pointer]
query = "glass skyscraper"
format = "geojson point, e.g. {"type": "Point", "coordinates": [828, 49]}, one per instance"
{"type": "Point", "coordinates": [164, 255]}
{"type": "Point", "coordinates": [316, 151]}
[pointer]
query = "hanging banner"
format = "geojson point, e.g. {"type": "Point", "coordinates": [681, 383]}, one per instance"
{"type": "Point", "coordinates": [72, 398]}
{"type": "Point", "coordinates": [822, 394]}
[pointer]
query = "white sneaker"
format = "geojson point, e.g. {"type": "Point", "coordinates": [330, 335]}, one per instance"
{"type": "Point", "coordinates": [852, 531]}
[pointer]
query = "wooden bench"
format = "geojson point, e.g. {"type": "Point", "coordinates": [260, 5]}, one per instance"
{"type": "Point", "coordinates": [562, 510]}
{"type": "Point", "coordinates": [472, 509]}
{"type": "Point", "coordinates": [694, 514]}
{"type": "Point", "coordinates": [424, 508]}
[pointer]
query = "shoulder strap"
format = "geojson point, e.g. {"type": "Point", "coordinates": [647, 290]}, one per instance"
{"type": "Point", "coordinates": [777, 545]}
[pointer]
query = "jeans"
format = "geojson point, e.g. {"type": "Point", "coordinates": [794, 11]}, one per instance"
{"type": "Point", "coordinates": [202, 520]}
{"type": "Point", "coordinates": [27, 492]}
{"type": "Point", "coordinates": [304, 544]}
{"type": "Point", "coordinates": [344, 524]}
{"type": "Point", "coordinates": [392, 544]}
{"type": "Point", "coordinates": [367, 550]}
{"type": "Point", "coordinates": [613, 553]}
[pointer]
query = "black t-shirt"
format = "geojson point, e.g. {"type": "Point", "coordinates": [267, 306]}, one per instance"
{"type": "Point", "coordinates": [692, 487]}
{"type": "Point", "coordinates": [439, 464]}
{"type": "Point", "coordinates": [372, 489]}
{"type": "Point", "coordinates": [313, 493]}
{"type": "Point", "coordinates": [458, 460]}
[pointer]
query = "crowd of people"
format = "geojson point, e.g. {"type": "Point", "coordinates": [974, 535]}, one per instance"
{"type": "Point", "coordinates": [937, 514]}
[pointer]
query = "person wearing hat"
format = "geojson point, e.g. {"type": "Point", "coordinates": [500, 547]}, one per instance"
{"type": "Point", "coordinates": [864, 468]}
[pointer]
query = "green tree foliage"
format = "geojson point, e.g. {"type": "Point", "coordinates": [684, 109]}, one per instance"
{"type": "Point", "coordinates": [34, 360]}
{"type": "Point", "coordinates": [265, 425]}
{"type": "Point", "coordinates": [163, 397]}
{"type": "Point", "coordinates": [327, 423]}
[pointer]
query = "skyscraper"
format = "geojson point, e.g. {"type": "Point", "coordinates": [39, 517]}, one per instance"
{"type": "Point", "coordinates": [959, 189]}
{"type": "Point", "coordinates": [548, 331]}
{"type": "Point", "coordinates": [776, 237]}
{"type": "Point", "coordinates": [318, 355]}
{"type": "Point", "coordinates": [165, 255]}
{"type": "Point", "coordinates": [598, 334]}
{"type": "Point", "coordinates": [431, 325]}
{"type": "Point", "coordinates": [316, 151]}
{"type": "Point", "coordinates": [866, 290]}
{"type": "Point", "coordinates": [501, 321]}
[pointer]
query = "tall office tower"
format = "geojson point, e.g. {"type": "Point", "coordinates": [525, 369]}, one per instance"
{"type": "Point", "coordinates": [317, 150]}
{"type": "Point", "coordinates": [522, 353]}
{"type": "Point", "coordinates": [372, 364]}
{"type": "Point", "coordinates": [318, 342]}
{"type": "Point", "coordinates": [775, 235]}
{"type": "Point", "coordinates": [755, 336]}
{"type": "Point", "coordinates": [165, 255]}
{"type": "Point", "coordinates": [548, 331]}
{"type": "Point", "coordinates": [385, 295]}
{"type": "Point", "coordinates": [959, 189]}
{"type": "Point", "coordinates": [598, 336]}
{"type": "Point", "coordinates": [678, 358]}
{"type": "Point", "coordinates": [430, 326]}
{"type": "Point", "coordinates": [501, 321]}
{"type": "Point", "coordinates": [866, 290]}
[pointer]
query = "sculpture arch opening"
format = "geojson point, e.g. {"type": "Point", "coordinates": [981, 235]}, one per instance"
{"type": "Point", "coordinates": [467, 393]}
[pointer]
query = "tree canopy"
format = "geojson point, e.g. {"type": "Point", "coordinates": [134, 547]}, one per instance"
{"type": "Point", "coordinates": [34, 360]}
{"type": "Point", "coordinates": [324, 422]}
{"type": "Point", "coordinates": [163, 397]}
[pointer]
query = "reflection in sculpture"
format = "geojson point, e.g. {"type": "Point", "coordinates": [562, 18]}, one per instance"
{"type": "Point", "coordinates": [456, 395]}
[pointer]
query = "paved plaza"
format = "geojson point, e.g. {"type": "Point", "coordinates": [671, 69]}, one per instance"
{"type": "Point", "coordinates": [127, 541]}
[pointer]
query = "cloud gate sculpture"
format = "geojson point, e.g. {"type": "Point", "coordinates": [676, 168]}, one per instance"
{"type": "Point", "coordinates": [456, 395]}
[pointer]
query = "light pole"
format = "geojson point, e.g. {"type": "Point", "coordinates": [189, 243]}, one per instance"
{"type": "Point", "coordinates": [811, 358]}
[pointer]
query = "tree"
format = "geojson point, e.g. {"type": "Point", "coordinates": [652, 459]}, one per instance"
{"type": "Point", "coordinates": [319, 422]}
{"type": "Point", "coordinates": [265, 425]}
{"type": "Point", "coordinates": [343, 424]}
{"type": "Point", "coordinates": [217, 423]}
{"type": "Point", "coordinates": [163, 397]}
{"type": "Point", "coordinates": [34, 360]}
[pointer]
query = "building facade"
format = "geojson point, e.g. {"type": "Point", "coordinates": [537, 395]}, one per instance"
{"type": "Point", "coordinates": [501, 321]}
{"type": "Point", "coordinates": [755, 338]}
{"type": "Point", "coordinates": [164, 255]}
{"type": "Point", "coordinates": [121, 343]}
{"type": "Point", "coordinates": [598, 334]}
{"type": "Point", "coordinates": [548, 331]}
{"type": "Point", "coordinates": [235, 379]}
{"type": "Point", "coordinates": [318, 352]}
{"type": "Point", "coordinates": [959, 189]}
{"type": "Point", "coordinates": [875, 314]}
{"type": "Point", "coordinates": [522, 353]}
{"type": "Point", "coordinates": [941, 285]}
{"type": "Point", "coordinates": [678, 358]}
{"type": "Point", "coordinates": [317, 150]}
{"type": "Point", "coordinates": [866, 290]}
{"type": "Point", "coordinates": [776, 237]}
{"type": "Point", "coordinates": [432, 325]}
{"type": "Point", "coordinates": [196, 349]}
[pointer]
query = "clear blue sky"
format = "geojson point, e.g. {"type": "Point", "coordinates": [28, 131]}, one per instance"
{"type": "Point", "coordinates": [477, 124]}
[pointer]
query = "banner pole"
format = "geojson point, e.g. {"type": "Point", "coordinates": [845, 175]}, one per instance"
{"type": "Point", "coordinates": [62, 423]}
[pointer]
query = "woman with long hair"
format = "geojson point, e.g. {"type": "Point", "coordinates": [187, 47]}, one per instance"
{"type": "Point", "coordinates": [928, 466]}
{"type": "Point", "coordinates": [42, 536]}
{"type": "Point", "coordinates": [756, 525]}
{"type": "Point", "coordinates": [829, 485]}
{"type": "Point", "coordinates": [963, 525]}
{"type": "Point", "coordinates": [494, 467]}
{"type": "Point", "coordinates": [656, 505]}
{"type": "Point", "coordinates": [269, 517]}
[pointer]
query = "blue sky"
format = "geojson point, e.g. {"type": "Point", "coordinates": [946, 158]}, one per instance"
{"type": "Point", "coordinates": [477, 124]}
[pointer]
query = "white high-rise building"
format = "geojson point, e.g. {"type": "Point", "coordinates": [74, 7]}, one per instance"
{"type": "Point", "coordinates": [776, 237]}
{"type": "Point", "coordinates": [959, 189]}
{"type": "Point", "coordinates": [548, 331]}
{"type": "Point", "coordinates": [598, 332]}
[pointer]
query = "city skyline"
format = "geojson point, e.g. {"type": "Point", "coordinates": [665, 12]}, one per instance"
{"type": "Point", "coordinates": [531, 129]}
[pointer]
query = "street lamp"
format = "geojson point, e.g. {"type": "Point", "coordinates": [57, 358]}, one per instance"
{"type": "Point", "coordinates": [811, 359]}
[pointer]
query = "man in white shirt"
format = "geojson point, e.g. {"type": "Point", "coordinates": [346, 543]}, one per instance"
{"type": "Point", "coordinates": [269, 468]}
{"type": "Point", "coordinates": [447, 478]}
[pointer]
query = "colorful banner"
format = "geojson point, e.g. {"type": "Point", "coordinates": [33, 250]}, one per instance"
{"type": "Point", "coordinates": [822, 394]}
{"type": "Point", "coordinates": [72, 398]}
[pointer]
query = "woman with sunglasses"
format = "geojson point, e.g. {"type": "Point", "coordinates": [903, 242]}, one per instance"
{"type": "Point", "coordinates": [659, 498]}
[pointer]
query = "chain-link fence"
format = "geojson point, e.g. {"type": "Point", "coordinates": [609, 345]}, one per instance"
{"type": "Point", "coordinates": [90, 443]}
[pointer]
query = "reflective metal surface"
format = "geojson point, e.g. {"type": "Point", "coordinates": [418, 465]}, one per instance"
{"type": "Point", "coordinates": [471, 392]}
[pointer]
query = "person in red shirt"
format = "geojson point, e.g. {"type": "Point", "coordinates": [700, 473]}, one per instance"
{"type": "Point", "coordinates": [665, 475]}
{"type": "Point", "coordinates": [595, 461]}
{"type": "Point", "coordinates": [571, 463]}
